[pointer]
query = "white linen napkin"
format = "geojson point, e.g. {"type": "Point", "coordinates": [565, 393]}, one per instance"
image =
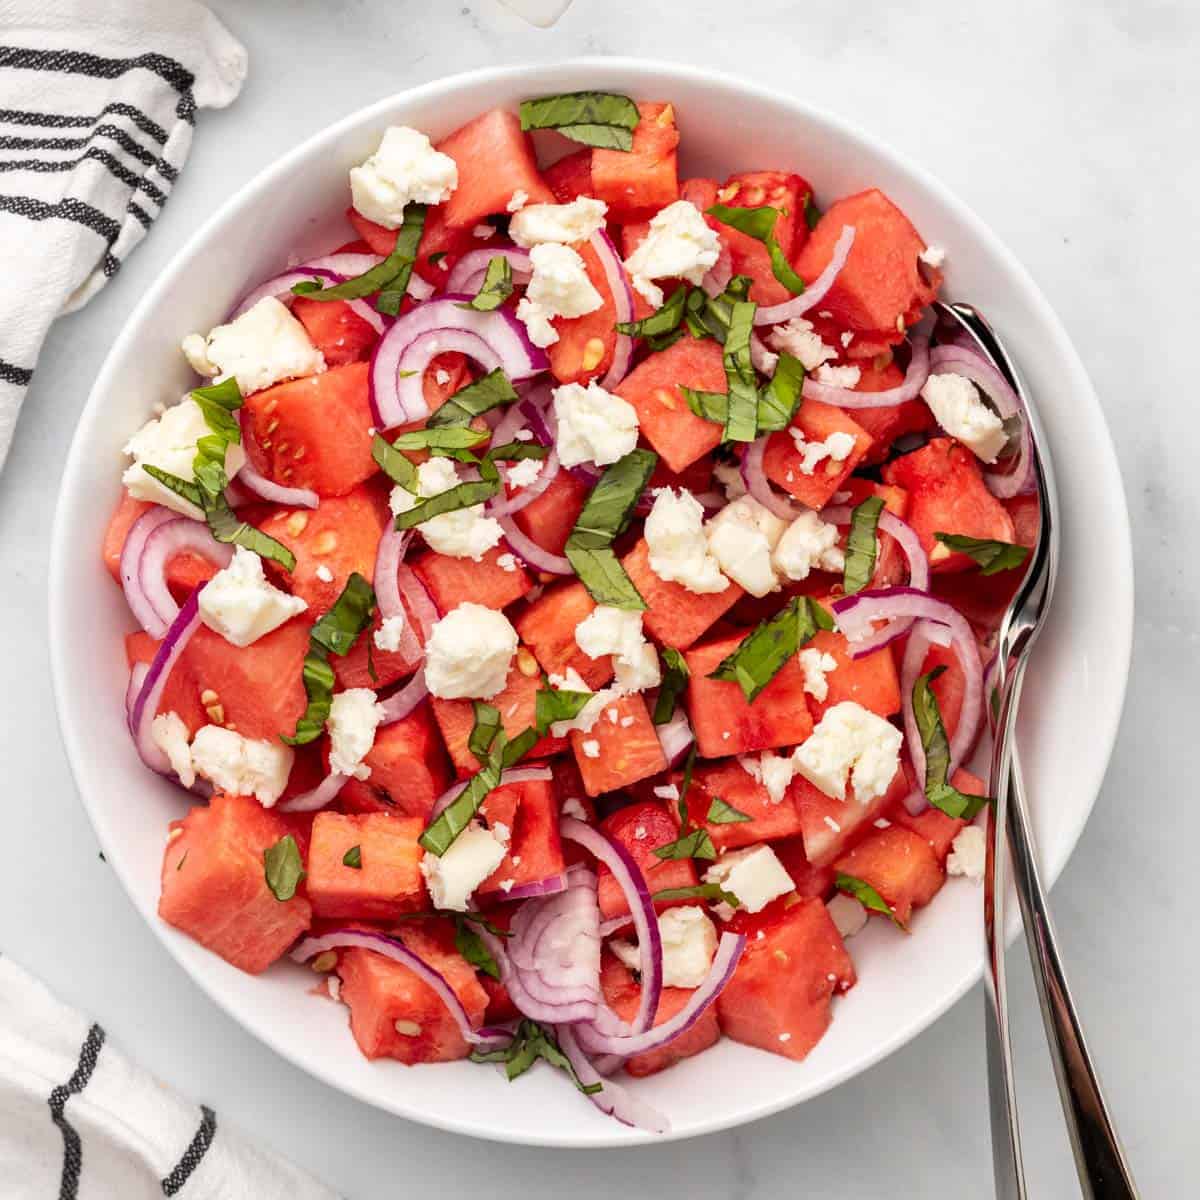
{"type": "Point", "coordinates": [78, 1120]}
{"type": "Point", "coordinates": [97, 103]}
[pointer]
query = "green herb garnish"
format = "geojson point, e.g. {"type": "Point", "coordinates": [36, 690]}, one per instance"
{"type": "Point", "coordinates": [721, 812]}
{"type": "Point", "coordinates": [663, 321]}
{"type": "Point", "coordinates": [991, 555]}
{"type": "Point", "coordinates": [283, 868]}
{"type": "Point", "coordinates": [471, 946]}
{"type": "Point", "coordinates": [353, 858]}
{"type": "Point", "coordinates": [602, 119]}
{"type": "Point", "coordinates": [867, 896]}
{"type": "Point", "coordinates": [554, 706]}
{"type": "Point", "coordinates": [493, 390]}
{"type": "Point", "coordinates": [699, 891]}
{"type": "Point", "coordinates": [396, 466]}
{"type": "Point", "coordinates": [497, 286]}
{"type": "Point", "coordinates": [861, 546]}
{"type": "Point", "coordinates": [531, 1042]}
{"type": "Point", "coordinates": [693, 841]}
{"type": "Point", "coordinates": [462, 495]}
{"type": "Point", "coordinates": [675, 677]}
{"type": "Point", "coordinates": [938, 789]}
{"type": "Point", "coordinates": [759, 223]}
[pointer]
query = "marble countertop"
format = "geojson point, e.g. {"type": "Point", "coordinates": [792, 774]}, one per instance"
{"type": "Point", "coordinates": [1069, 128]}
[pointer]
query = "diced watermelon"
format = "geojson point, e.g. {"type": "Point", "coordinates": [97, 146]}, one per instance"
{"type": "Point", "coordinates": [885, 425]}
{"type": "Point", "coordinates": [829, 825]}
{"type": "Point", "coordinates": [388, 880]}
{"type": "Point", "coordinates": [341, 535]}
{"type": "Point", "coordinates": [366, 666]}
{"type": "Point", "coordinates": [782, 460]}
{"type": "Point", "coordinates": [570, 177]}
{"type": "Point", "coordinates": [700, 192]}
{"type": "Point", "coordinates": [642, 828]}
{"type": "Point", "coordinates": [732, 783]}
{"type": "Point", "coordinates": [900, 865]}
{"type": "Point", "coordinates": [439, 249]}
{"type": "Point", "coordinates": [636, 183]}
{"type": "Point", "coordinates": [548, 627]}
{"type": "Point", "coordinates": [725, 723]}
{"type": "Point", "coordinates": [184, 571]}
{"type": "Point", "coordinates": [314, 432]}
{"type": "Point", "coordinates": [882, 288]}
{"type": "Point", "coordinates": [947, 494]}
{"type": "Point", "coordinates": [335, 330]}
{"type": "Point", "coordinates": [666, 421]}
{"type": "Point", "coordinates": [550, 518]}
{"type": "Point", "coordinates": [870, 681]}
{"type": "Point", "coordinates": [624, 995]}
{"type": "Point", "coordinates": [938, 829]}
{"type": "Point", "coordinates": [535, 851]}
{"type": "Point", "coordinates": [446, 374]}
{"type": "Point", "coordinates": [393, 1014]}
{"type": "Point", "coordinates": [622, 751]}
{"type": "Point", "coordinates": [779, 998]}
{"type": "Point", "coordinates": [810, 880]}
{"type": "Point", "coordinates": [409, 770]}
{"type": "Point", "coordinates": [675, 616]}
{"type": "Point", "coordinates": [891, 563]}
{"type": "Point", "coordinates": [214, 886]}
{"type": "Point", "coordinates": [585, 345]}
{"type": "Point", "coordinates": [495, 160]}
{"type": "Point", "coordinates": [450, 581]}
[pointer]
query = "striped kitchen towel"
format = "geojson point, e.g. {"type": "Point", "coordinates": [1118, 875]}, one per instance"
{"type": "Point", "coordinates": [97, 102]}
{"type": "Point", "coordinates": [79, 1121]}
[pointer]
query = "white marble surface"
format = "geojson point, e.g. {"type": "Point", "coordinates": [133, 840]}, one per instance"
{"type": "Point", "coordinates": [1071, 132]}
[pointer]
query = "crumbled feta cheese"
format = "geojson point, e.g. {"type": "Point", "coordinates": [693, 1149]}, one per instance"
{"type": "Point", "coordinates": [442, 377]}
{"type": "Point", "coordinates": [626, 722]}
{"type": "Point", "coordinates": [170, 735]}
{"type": "Point", "coordinates": [241, 605]}
{"type": "Point", "coordinates": [667, 791]}
{"type": "Point", "coordinates": [471, 858]}
{"type": "Point", "coordinates": [608, 630]}
{"type": "Point", "coordinates": [785, 1037]}
{"type": "Point", "coordinates": [674, 533]}
{"type": "Point", "coordinates": [833, 825]}
{"type": "Point", "coordinates": [798, 338]}
{"type": "Point", "coordinates": [469, 652]}
{"type": "Point", "coordinates": [354, 715]}
{"type": "Point", "coordinates": [754, 875]}
{"type": "Point", "coordinates": [846, 338]}
{"type": "Point", "coordinates": [584, 720]}
{"type": "Point", "coordinates": [968, 853]}
{"type": "Point", "coordinates": [850, 741]}
{"type": "Point", "coordinates": [169, 443]}
{"type": "Point", "coordinates": [689, 941]}
{"type": "Point", "coordinates": [933, 256]}
{"type": "Point", "coordinates": [517, 201]}
{"type": "Point", "coordinates": [324, 574]}
{"type": "Point", "coordinates": [559, 287]}
{"type": "Point", "coordinates": [729, 476]}
{"type": "Point", "coordinates": [956, 403]}
{"type": "Point", "coordinates": [241, 766]}
{"type": "Point", "coordinates": [839, 377]}
{"type": "Point", "coordinates": [808, 543]}
{"type": "Point", "coordinates": [389, 633]}
{"type": "Point", "coordinates": [593, 425]}
{"type": "Point", "coordinates": [406, 169]}
{"type": "Point", "coordinates": [678, 245]}
{"type": "Point", "coordinates": [774, 771]}
{"type": "Point", "coordinates": [741, 537]}
{"type": "Point", "coordinates": [572, 806]}
{"type": "Point", "coordinates": [575, 222]}
{"type": "Point", "coordinates": [334, 985]}
{"type": "Point", "coordinates": [639, 671]}
{"type": "Point", "coordinates": [591, 748]}
{"type": "Point", "coordinates": [507, 562]}
{"type": "Point", "coordinates": [524, 472]}
{"type": "Point", "coordinates": [463, 533]}
{"type": "Point", "coordinates": [847, 914]}
{"type": "Point", "coordinates": [816, 664]}
{"type": "Point", "coordinates": [837, 447]}
{"type": "Point", "coordinates": [264, 345]}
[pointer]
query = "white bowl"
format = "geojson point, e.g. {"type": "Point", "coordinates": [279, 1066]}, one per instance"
{"type": "Point", "coordinates": [1073, 700]}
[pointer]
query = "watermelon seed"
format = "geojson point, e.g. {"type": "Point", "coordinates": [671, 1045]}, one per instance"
{"type": "Point", "coordinates": [408, 1029]}
{"type": "Point", "coordinates": [325, 962]}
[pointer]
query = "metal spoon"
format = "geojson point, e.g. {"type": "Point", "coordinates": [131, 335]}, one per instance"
{"type": "Point", "coordinates": [1103, 1171]}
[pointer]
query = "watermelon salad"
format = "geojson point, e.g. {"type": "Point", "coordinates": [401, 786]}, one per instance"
{"type": "Point", "coordinates": [568, 602]}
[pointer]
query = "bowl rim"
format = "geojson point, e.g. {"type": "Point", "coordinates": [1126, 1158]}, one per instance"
{"type": "Point", "coordinates": [1120, 556]}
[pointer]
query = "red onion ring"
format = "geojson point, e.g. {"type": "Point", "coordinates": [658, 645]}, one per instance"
{"type": "Point", "coordinates": [417, 601]}
{"type": "Point", "coordinates": [914, 380]}
{"type": "Point", "coordinates": [392, 547]}
{"type": "Point", "coordinates": [143, 608]}
{"type": "Point", "coordinates": [530, 553]}
{"type": "Point", "coordinates": [324, 793]}
{"type": "Point", "coordinates": [467, 274]}
{"type": "Point", "coordinates": [393, 948]}
{"type": "Point", "coordinates": [675, 736]}
{"type": "Point", "coordinates": [613, 1099]}
{"type": "Point", "coordinates": [754, 476]}
{"type": "Point", "coordinates": [260, 485]}
{"type": "Point", "coordinates": [280, 286]}
{"type": "Point", "coordinates": [717, 278]}
{"type": "Point", "coordinates": [506, 506]}
{"type": "Point", "coordinates": [812, 295]}
{"type": "Point", "coordinates": [763, 360]}
{"type": "Point", "coordinates": [400, 704]}
{"type": "Point", "coordinates": [550, 886]}
{"type": "Point", "coordinates": [622, 297]}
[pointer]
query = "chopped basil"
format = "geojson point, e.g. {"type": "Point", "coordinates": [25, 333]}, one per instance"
{"type": "Point", "coordinates": [353, 858]}
{"type": "Point", "coordinates": [283, 868]}
{"type": "Point", "coordinates": [334, 633]}
{"type": "Point", "coordinates": [709, 406]}
{"type": "Point", "coordinates": [741, 423]}
{"type": "Point", "coordinates": [602, 119]}
{"type": "Point", "coordinates": [519, 746]}
{"type": "Point", "coordinates": [867, 896]}
{"type": "Point", "coordinates": [517, 451]}
{"type": "Point", "coordinates": [493, 390]}
{"type": "Point", "coordinates": [779, 398]}
{"type": "Point", "coordinates": [218, 403]}
{"type": "Point", "coordinates": [722, 813]}
{"type": "Point", "coordinates": [812, 214]}
{"type": "Point", "coordinates": [699, 891]}
{"type": "Point", "coordinates": [693, 841]}
{"type": "Point", "coordinates": [396, 466]}
{"type": "Point", "coordinates": [531, 1042]}
{"type": "Point", "coordinates": [497, 286]}
{"type": "Point", "coordinates": [860, 545]}
{"type": "Point", "coordinates": [483, 732]}
{"type": "Point", "coordinates": [938, 789]}
{"type": "Point", "coordinates": [991, 555]}
{"type": "Point", "coordinates": [759, 223]}
{"type": "Point", "coordinates": [664, 320]}
{"type": "Point", "coordinates": [470, 945]}
{"type": "Point", "coordinates": [710, 316]}
{"type": "Point", "coordinates": [555, 706]}
{"type": "Point", "coordinates": [600, 571]}
{"type": "Point", "coordinates": [450, 437]}
{"type": "Point", "coordinates": [763, 654]}
{"type": "Point", "coordinates": [674, 681]}
{"type": "Point", "coordinates": [464, 495]}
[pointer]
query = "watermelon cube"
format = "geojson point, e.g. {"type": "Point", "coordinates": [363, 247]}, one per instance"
{"type": "Point", "coordinates": [571, 176]}
{"type": "Point", "coordinates": [642, 828]}
{"type": "Point", "coordinates": [535, 850]}
{"type": "Point", "coordinates": [829, 825]}
{"type": "Point", "coordinates": [408, 768]}
{"type": "Point", "coordinates": [636, 183]}
{"type": "Point", "coordinates": [732, 783]}
{"type": "Point", "coordinates": [900, 865]}
{"type": "Point", "coordinates": [620, 749]}
{"type": "Point", "coordinates": [550, 518]}
{"type": "Point", "coordinates": [548, 627]}
{"type": "Point", "coordinates": [450, 581]}
{"type": "Point", "coordinates": [387, 881]}
{"type": "Point", "coordinates": [782, 460]}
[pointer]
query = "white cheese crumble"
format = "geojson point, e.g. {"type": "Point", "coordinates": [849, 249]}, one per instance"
{"type": "Point", "coordinates": [808, 543]}
{"type": "Point", "coordinates": [774, 771]}
{"type": "Point", "coordinates": [742, 537]}
{"type": "Point", "coordinates": [324, 574]}
{"type": "Point", "coordinates": [816, 665]}
{"type": "Point", "coordinates": [471, 858]}
{"type": "Point", "coordinates": [839, 377]}
{"type": "Point", "coordinates": [241, 766]}
{"type": "Point", "coordinates": [406, 169]}
{"type": "Point", "coordinates": [593, 425]}
{"type": "Point", "coordinates": [667, 791]}
{"type": "Point", "coordinates": [265, 345]}
{"type": "Point", "coordinates": [241, 605]}
{"type": "Point", "coordinates": [463, 533]}
{"type": "Point", "coordinates": [933, 256]}
{"type": "Point", "coordinates": [536, 224]}
{"type": "Point", "coordinates": [674, 533]}
{"type": "Point", "coordinates": [389, 633]}
{"type": "Point", "coordinates": [354, 716]}
{"type": "Point", "coordinates": [170, 735]}
{"type": "Point", "coordinates": [968, 853]}
{"type": "Point", "coordinates": [558, 287]}
{"type": "Point", "coordinates": [507, 562]}
{"type": "Point", "coordinates": [517, 201]}
{"type": "Point", "coordinates": [959, 409]}
{"type": "Point", "coordinates": [169, 443]}
{"type": "Point", "coordinates": [524, 472]}
{"type": "Point", "coordinates": [469, 653]}
{"type": "Point", "coordinates": [798, 338]}
{"type": "Point", "coordinates": [837, 447]}
{"type": "Point", "coordinates": [689, 941]}
{"type": "Point", "coordinates": [615, 631]}
{"type": "Point", "coordinates": [678, 245]}
{"type": "Point", "coordinates": [591, 748]}
{"type": "Point", "coordinates": [850, 742]}
{"type": "Point", "coordinates": [754, 875]}
{"type": "Point", "coordinates": [847, 914]}
{"type": "Point", "coordinates": [637, 672]}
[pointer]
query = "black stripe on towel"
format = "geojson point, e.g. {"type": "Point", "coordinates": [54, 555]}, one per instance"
{"type": "Point", "coordinates": [79, 62]}
{"type": "Point", "coordinates": [67, 209]}
{"type": "Point", "coordinates": [72, 1150]}
{"type": "Point", "coordinates": [13, 374]}
{"type": "Point", "coordinates": [112, 132]}
{"type": "Point", "coordinates": [18, 116]}
{"type": "Point", "coordinates": [193, 1155]}
{"type": "Point", "coordinates": [130, 178]}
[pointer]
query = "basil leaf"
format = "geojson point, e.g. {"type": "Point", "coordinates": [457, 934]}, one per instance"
{"type": "Point", "coordinates": [663, 341]}
{"type": "Point", "coordinates": [689, 765]}
{"type": "Point", "coordinates": [867, 896]}
{"type": "Point", "coordinates": [396, 466]}
{"type": "Point", "coordinates": [483, 732]}
{"type": "Point", "coordinates": [779, 398]}
{"type": "Point", "coordinates": [516, 452]}
{"type": "Point", "coordinates": [759, 223]}
{"type": "Point", "coordinates": [812, 214]}
{"type": "Point", "coordinates": [664, 320]}
{"type": "Point", "coordinates": [600, 571]}
{"type": "Point", "coordinates": [741, 424]}
{"type": "Point", "coordinates": [318, 679]}
{"type": "Point", "coordinates": [353, 858]}
{"type": "Point", "coordinates": [227, 527]}
{"type": "Point", "coordinates": [764, 653]}
{"type": "Point", "coordinates": [694, 844]}
{"type": "Point", "coordinates": [602, 137]}
{"type": "Point", "coordinates": [555, 706]}
{"type": "Point", "coordinates": [710, 316]}
{"type": "Point", "coordinates": [991, 555]}
{"type": "Point", "coordinates": [497, 286]}
{"type": "Point", "coordinates": [530, 1043]}
{"type": "Point", "coordinates": [464, 495]}
{"type": "Point", "coordinates": [709, 406]}
{"type": "Point", "coordinates": [181, 487]}
{"type": "Point", "coordinates": [441, 833]}
{"type": "Point", "coordinates": [699, 891]}
{"type": "Point", "coordinates": [218, 403]}
{"type": "Point", "coordinates": [452, 437]}
{"type": "Point", "coordinates": [860, 545]}
{"type": "Point", "coordinates": [519, 746]}
{"type": "Point", "coordinates": [675, 677]}
{"type": "Point", "coordinates": [283, 868]}
{"type": "Point", "coordinates": [602, 119]}
{"type": "Point", "coordinates": [493, 390]}
{"type": "Point", "coordinates": [938, 789]}
{"type": "Point", "coordinates": [722, 813]}
{"type": "Point", "coordinates": [470, 945]}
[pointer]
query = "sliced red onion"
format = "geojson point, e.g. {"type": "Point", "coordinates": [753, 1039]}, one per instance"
{"type": "Point", "coordinates": [397, 951]}
{"type": "Point", "coordinates": [506, 506]}
{"type": "Point", "coordinates": [393, 545]}
{"type": "Point", "coordinates": [754, 476]}
{"type": "Point", "coordinates": [417, 601]}
{"type": "Point", "coordinates": [675, 736]}
{"type": "Point", "coordinates": [281, 286]}
{"type": "Point", "coordinates": [764, 361]}
{"type": "Point", "coordinates": [530, 553]}
{"type": "Point", "coordinates": [326, 792]}
{"type": "Point", "coordinates": [346, 264]}
{"type": "Point", "coordinates": [145, 608]}
{"type": "Point", "coordinates": [137, 676]}
{"type": "Point", "coordinates": [525, 1002]}
{"type": "Point", "coordinates": [260, 485]}
{"type": "Point", "coordinates": [507, 427]}
{"type": "Point", "coordinates": [914, 380]}
{"type": "Point", "coordinates": [613, 1099]}
{"type": "Point", "coordinates": [816, 291]}
{"type": "Point", "coordinates": [555, 945]}
{"type": "Point", "coordinates": [400, 704]}
{"type": "Point", "coordinates": [538, 407]}
{"type": "Point", "coordinates": [493, 339]}
{"type": "Point", "coordinates": [550, 886]}
{"type": "Point", "coordinates": [717, 278]}
{"type": "Point", "coordinates": [467, 274]}
{"type": "Point", "coordinates": [622, 296]}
